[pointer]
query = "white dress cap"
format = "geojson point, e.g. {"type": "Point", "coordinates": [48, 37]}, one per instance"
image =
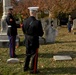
{"type": "Point", "coordinates": [33, 8]}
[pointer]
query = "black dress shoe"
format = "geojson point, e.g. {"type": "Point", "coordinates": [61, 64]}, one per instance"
{"type": "Point", "coordinates": [32, 72]}
{"type": "Point", "coordinates": [15, 56]}
{"type": "Point", "coordinates": [26, 69]}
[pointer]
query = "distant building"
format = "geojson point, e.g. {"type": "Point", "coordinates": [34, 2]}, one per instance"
{"type": "Point", "coordinates": [73, 14]}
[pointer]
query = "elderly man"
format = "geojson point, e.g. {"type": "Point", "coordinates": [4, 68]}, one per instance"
{"type": "Point", "coordinates": [32, 29]}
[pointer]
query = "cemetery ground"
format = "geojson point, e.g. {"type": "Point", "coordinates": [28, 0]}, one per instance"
{"type": "Point", "coordinates": [65, 44]}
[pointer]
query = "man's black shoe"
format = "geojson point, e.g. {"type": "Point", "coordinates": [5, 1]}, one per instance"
{"type": "Point", "coordinates": [26, 69]}
{"type": "Point", "coordinates": [32, 72]}
{"type": "Point", "coordinates": [15, 56]}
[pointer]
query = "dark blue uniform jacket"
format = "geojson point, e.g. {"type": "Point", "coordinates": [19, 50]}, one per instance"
{"type": "Point", "coordinates": [13, 29]}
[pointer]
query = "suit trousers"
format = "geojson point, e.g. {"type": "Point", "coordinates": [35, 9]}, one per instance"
{"type": "Point", "coordinates": [12, 44]}
{"type": "Point", "coordinates": [34, 59]}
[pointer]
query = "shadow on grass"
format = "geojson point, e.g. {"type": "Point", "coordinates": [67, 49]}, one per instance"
{"type": "Point", "coordinates": [22, 43]}
{"type": "Point", "coordinates": [59, 42]}
{"type": "Point", "coordinates": [21, 56]}
{"type": "Point", "coordinates": [71, 53]}
{"type": "Point", "coordinates": [65, 42]}
{"type": "Point", "coordinates": [40, 55]}
{"type": "Point", "coordinates": [59, 71]}
{"type": "Point", "coordinates": [50, 55]}
{"type": "Point", "coordinates": [45, 55]}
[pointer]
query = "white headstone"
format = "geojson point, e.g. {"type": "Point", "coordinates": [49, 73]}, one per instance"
{"type": "Point", "coordinates": [62, 57]}
{"type": "Point", "coordinates": [50, 34]}
{"type": "Point", "coordinates": [74, 24]}
{"type": "Point", "coordinates": [13, 60]}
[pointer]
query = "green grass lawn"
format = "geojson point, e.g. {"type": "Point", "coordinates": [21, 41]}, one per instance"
{"type": "Point", "coordinates": [65, 44]}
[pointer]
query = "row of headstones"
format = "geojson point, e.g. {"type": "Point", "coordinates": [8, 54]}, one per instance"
{"type": "Point", "coordinates": [49, 31]}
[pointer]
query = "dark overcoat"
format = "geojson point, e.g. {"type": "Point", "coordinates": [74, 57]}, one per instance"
{"type": "Point", "coordinates": [32, 29]}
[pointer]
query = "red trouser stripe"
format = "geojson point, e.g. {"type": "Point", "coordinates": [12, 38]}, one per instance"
{"type": "Point", "coordinates": [35, 63]}
{"type": "Point", "coordinates": [12, 47]}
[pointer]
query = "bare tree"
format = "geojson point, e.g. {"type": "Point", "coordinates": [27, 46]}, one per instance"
{"type": "Point", "coordinates": [53, 6]}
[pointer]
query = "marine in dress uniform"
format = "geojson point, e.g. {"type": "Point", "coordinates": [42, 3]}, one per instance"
{"type": "Point", "coordinates": [32, 29]}
{"type": "Point", "coordinates": [11, 31]}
